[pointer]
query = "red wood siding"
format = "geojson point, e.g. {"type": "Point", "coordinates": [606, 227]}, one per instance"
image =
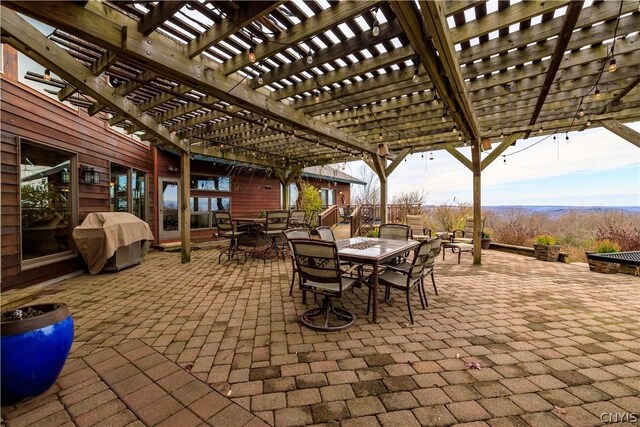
{"type": "Point", "coordinates": [36, 118]}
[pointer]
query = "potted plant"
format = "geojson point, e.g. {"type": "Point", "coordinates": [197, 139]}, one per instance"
{"type": "Point", "coordinates": [603, 247]}
{"type": "Point", "coordinates": [35, 342]}
{"type": "Point", "coordinates": [546, 248]}
{"type": "Point", "coordinates": [485, 243]}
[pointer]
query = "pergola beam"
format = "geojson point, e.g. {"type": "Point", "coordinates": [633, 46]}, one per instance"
{"type": "Point", "coordinates": [571, 18]}
{"type": "Point", "coordinates": [434, 17]}
{"type": "Point", "coordinates": [300, 32]}
{"type": "Point", "coordinates": [622, 131]}
{"type": "Point", "coordinates": [103, 26]}
{"type": "Point", "coordinates": [495, 153]}
{"type": "Point", "coordinates": [158, 14]}
{"type": "Point", "coordinates": [460, 157]}
{"type": "Point", "coordinates": [234, 22]}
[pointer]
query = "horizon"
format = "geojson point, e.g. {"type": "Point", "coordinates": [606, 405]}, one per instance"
{"type": "Point", "coordinates": [596, 168]}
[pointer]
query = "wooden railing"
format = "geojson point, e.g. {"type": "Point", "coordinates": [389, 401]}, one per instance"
{"type": "Point", "coordinates": [355, 219]}
{"type": "Point", "coordinates": [369, 216]}
{"type": "Point", "coordinates": [329, 216]}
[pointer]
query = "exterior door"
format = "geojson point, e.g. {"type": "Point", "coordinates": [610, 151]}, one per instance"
{"type": "Point", "coordinates": [169, 208]}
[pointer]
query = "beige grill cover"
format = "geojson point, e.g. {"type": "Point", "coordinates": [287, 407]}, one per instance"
{"type": "Point", "coordinates": [102, 233]}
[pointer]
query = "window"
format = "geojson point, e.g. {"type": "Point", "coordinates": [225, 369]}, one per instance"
{"type": "Point", "coordinates": [46, 201]}
{"type": "Point", "coordinates": [202, 208]}
{"type": "Point", "coordinates": [210, 183]}
{"type": "Point", "coordinates": [128, 191]}
{"type": "Point", "coordinates": [328, 197]}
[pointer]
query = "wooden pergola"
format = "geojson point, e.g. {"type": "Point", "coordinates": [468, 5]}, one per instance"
{"type": "Point", "coordinates": [288, 84]}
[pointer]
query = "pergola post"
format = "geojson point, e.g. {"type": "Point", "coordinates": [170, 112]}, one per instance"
{"type": "Point", "coordinates": [185, 199]}
{"type": "Point", "coordinates": [476, 168]}
{"type": "Point", "coordinates": [286, 177]}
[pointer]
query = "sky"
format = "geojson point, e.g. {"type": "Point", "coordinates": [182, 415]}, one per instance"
{"type": "Point", "coordinates": [595, 168]}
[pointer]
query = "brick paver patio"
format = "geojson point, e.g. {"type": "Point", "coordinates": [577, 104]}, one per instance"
{"type": "Point", "coordinates": [207, 343]}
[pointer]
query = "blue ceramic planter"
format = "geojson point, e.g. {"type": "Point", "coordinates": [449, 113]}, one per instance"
{"type": "Point", "coordinates": [33, 351]}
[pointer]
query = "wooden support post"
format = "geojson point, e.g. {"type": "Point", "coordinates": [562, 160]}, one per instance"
{"type": "Point", "coordinates": [286, 177]}
{"type": "Point", "coordinates": [185, 227]}
{"type": "Point", "coordinates": [477, 202]}
{"type": "Point", "coordinates": [380, 167]}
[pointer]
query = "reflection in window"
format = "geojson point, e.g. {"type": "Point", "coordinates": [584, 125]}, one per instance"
{"type": "Point", "coordinates": [201, 208]}
{"type": "Point", "coordinates": [119, 189]}
{"type": "Point", "coordinates": [210, 183]}
{"type": "Point", "coordinates": [46, 195]}
{"type": "Point", "coordinates": [199, 212]}
{"type": "Point", "coordinates": [139, 180]}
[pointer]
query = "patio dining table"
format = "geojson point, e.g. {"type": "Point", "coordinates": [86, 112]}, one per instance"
{"type": "Point", "coordinates": [373, 251]}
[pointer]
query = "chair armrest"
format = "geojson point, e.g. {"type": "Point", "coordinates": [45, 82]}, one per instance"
{"type": "Point", "coordinates": [399, 270]}
{"type": "Point", "coordinates": [455, 232]}
{"type": "Point", "coordinates": [427, 231]}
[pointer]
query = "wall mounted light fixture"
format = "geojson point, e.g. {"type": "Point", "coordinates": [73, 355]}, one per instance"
{"type": "Point", "coordinates": [89, 175]}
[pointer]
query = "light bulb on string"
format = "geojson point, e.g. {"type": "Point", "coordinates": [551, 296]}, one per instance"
{"type": "Point", "coordinates": [566, 138]}
{"type": "Point", "coordinates": [435, 98]}
{"type": "Point", "coordinates": [416, 76]}
{"type": "Point", "coordinates": [375, 28]}
{"type": "Point", "coordinates": [422, 156]}
{"type": "Point", "coordinates": [455, 129]}
{"type": "Point", "coordinates": [612, 65]}
{"type": "Point", "coordinates": [459, 136]}
{"type": "Point", "coordinates": [581, 112]}
{"type": "Point", "coordinates": [444, 116]}
{"type": "Point", "coordinates": [540, 130]}
{"type": "Point", "coordinates": [47, 74]}
{"type": "Point", "coordinates": [431, 156]}
{"type": "Point", "coordinates": [465, 143]}
{"type": "Point", "coordinates": [309, 57]}
{"type": "Point", "coordinates": [501, 134]}
{"type": "Point", "coordinates": [588, 121]}
{"type": "Point", "coordinates": [504, 159]}
{"type": "Point", "coordinates": [597, 92]}
{"type": "Point", "coordinates": [316, 96]}
{"type": "Point", "coordinates": [252, 55]}
{"type": "Point", "coordinates": [260, 79]}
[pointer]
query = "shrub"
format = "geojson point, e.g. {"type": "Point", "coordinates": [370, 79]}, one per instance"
{"type": "Point", "coordinates": [374, 232]}
{"type": "Point", "coordinates": [606, 247]}
{"type": "Point", "coordinates": [546, 240]}
{"type": "Point", "coordinates": [309, 199]}
{"type": "Point", "coordinates": [626, 239]}
{"type": "Point", "coordinates": [450, 216]}
{"type": "Point", "coordinates": [514, 227]}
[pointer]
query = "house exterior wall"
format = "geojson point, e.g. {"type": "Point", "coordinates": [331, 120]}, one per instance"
{"type": "Point", "coordinates": [343, 190]}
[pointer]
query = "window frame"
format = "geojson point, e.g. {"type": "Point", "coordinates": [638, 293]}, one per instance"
{"type": "Point", "coordinates": [74, 188]}
{"type": "Point", "coordinates": [130, 170]}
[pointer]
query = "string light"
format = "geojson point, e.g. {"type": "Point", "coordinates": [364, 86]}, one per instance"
{"type": "Point", "coordinates": [504, 159]}
{"type": "Point", "coordinates": [357, 118]}
{"type": "Point", "coordinates": [435, 98]}
{"type": "Point", "coordinates": [252, 55]}
{"type": "Point", "coordinates": [454, 130]}
{"type": "Point", "coordinates": [375, 28]}
{"type": "Point", "coordinates": [581, 112]}
{"type": "Point", "coordinates": [316, 97]}
{"type": "Point", "coordinates": [566, 138]}
{"type": "Point", "coordinates": [431, 156]}
{"type": "Point", "coordinates": [422, 156]}
{"type": "Point", "coordinates": [465, 143]}
{"type": "Point", "coordinates": [309, 57]}
{"type": "Point", "coordinates": [47, 74]}
{"type": "Point", "coordinates": [540, 130]}
{"type": "Point", "coordinates": [260, 79]}
{"type": "Point", "coordinates": [598, 94]}
{"type": "Point", "coordinates": [459, 136]}
{"type": "Point", "coordinates": [588, 121]}
{"type": "Point", "coordinates": [501, 134]}
{"type": "Point", "coordinates": [265, 124]}
{"type": "Point", "coordinates": [444, 116]}
{"type": "Point", "coordinates": [416, 76]}
{"type": "Point", "coordinates": [612, 65]}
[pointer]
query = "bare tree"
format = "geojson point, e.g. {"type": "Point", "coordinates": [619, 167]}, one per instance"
{"type": "Point", "coordinates": [367, 194]}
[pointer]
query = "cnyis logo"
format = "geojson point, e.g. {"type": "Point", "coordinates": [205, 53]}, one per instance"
{"type": "Point", "coordinates": [619, 417]}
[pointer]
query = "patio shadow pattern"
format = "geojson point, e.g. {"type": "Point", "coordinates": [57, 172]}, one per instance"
{"type": "Point", "coordinates": [557, 345]}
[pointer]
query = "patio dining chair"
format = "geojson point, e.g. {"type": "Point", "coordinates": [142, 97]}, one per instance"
{"type": "Point", "coordinates": [295, 233]}
{"type": "Point", "coordinates": [466, 235]}
{"type": "Point", "coordinates": [312, 219]}
{"type": "Point", "coordinates": [345, 217]}
{"type": "Point", "coordinates": [418, 230]}
{"type": "Point", "coordinates": [276, 222]}
{"type": "Point", "coordinates": [225, 229]}
{"type": "Point", "coordinates": [395, 232]}
{"type": "Point", "coordinates": [436, 247]}
{"type": "Point", "coordinates": [407, 280]}
{"type": "Point", "coordinates": [319, 268]}
{"type": "Point", "coordinates": [325, 233]}
{"type": "Point", "coordinates": [297, 219]}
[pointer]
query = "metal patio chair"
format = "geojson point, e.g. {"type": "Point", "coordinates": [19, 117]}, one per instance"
{"type": "Point", "coordinates": [319, 268]}
{"type": "Point", "coordinates": [295, 233]}
{"type": "Point", "coordinates": [225, 229]}
{"type": "Point", "coordinates": [275, 223]}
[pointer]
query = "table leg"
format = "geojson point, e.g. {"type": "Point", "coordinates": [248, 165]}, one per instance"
{"type": "Point", "coordinates": [374, 283]}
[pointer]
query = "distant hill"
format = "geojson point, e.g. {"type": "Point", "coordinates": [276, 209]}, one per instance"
{"type": "Point", "coordinates": [556, 211]}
